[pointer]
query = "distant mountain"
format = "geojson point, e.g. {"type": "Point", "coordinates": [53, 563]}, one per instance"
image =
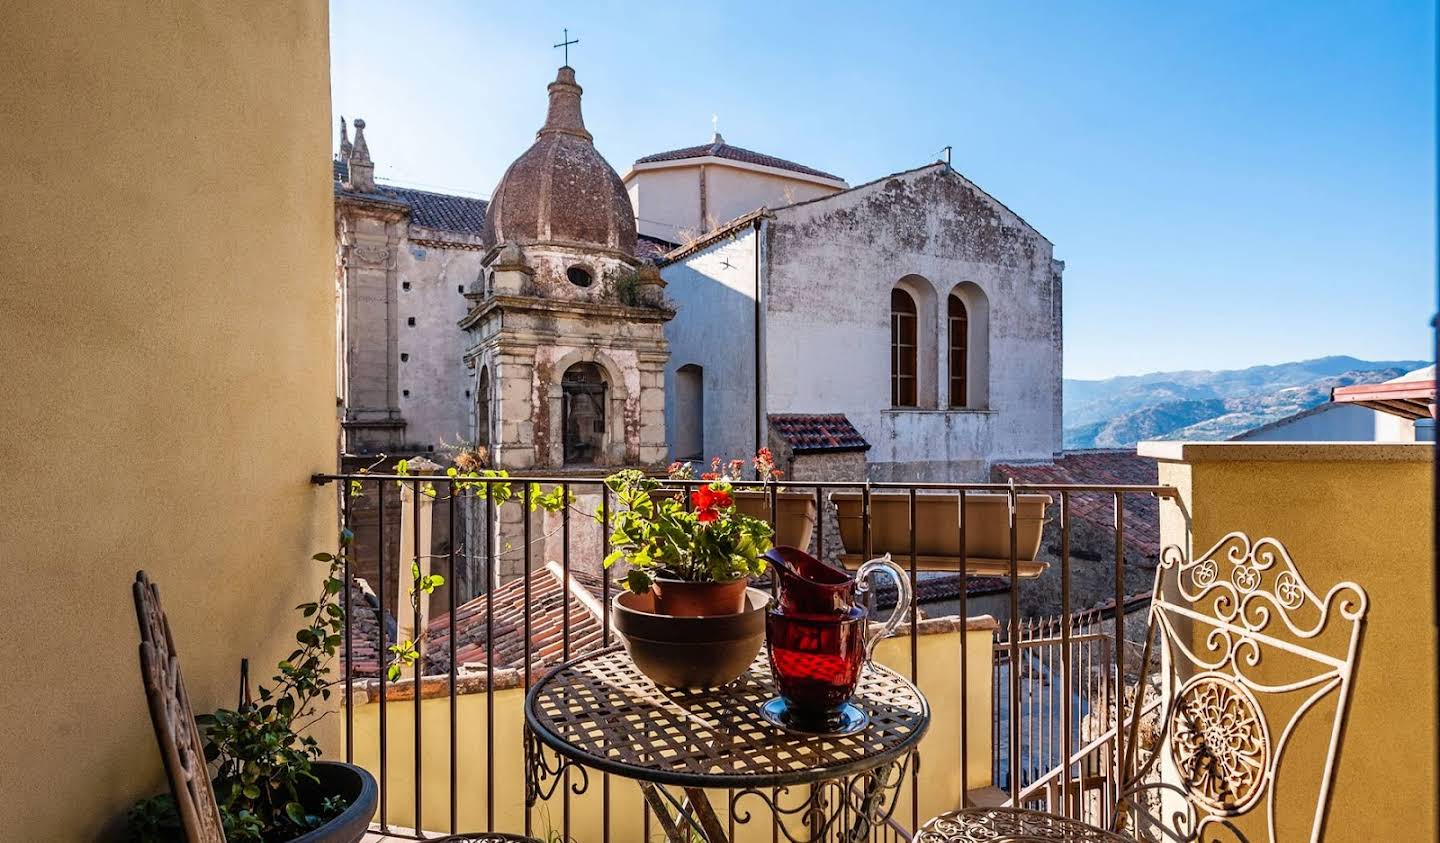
{"type": "Point", "coordinates": [1206, 405]}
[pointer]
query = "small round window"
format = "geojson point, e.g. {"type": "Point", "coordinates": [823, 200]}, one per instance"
{"type": "Point", "coordinates": [579, 276]}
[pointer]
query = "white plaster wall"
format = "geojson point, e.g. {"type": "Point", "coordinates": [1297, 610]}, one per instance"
{"type": "Point", "coordinates": [831, 266]}
{"type": "Point", "coordinates": [1333, 423]}
{"type": "Point", "coordinates": [436, 411]}
{"type": "Point", "coordinates": [731, 192]}
{"type": "Point", "coordinates": [666, 202]}
{"type": "Point", "coordinates": [713, 291]}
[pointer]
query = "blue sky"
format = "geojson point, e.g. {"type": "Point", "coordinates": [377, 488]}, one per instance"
{"type": "Point", "coordinates": [1228, 183]}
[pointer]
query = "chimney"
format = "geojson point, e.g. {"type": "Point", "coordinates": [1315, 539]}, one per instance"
{"type": "Point", "coordinates": [362, 169]}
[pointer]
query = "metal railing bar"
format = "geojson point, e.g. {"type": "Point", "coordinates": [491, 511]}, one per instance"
{"type": "Point", "coordinates": [605, 636]}
{"type": "Point", "coordinates": [418, 639]}
{"type": "Point", "coordinates": [529, 606]}
{"type": "Point", "coordinates": [1119, 622]}
{"type": "Point", "coordinates": [964, 657]}
{"type": "Point", "coordinates": [565, 599]}
{"type": "Point", "coordinates": [1022, 488]}
{"type": "Point", "coordinates": [1067, 716]}
{"type": "Point", "coordinates": [452, 585]}
{"type": "Point", "coordinates": [383, 650]}
{"type": "Point", "coordinates": [1014, 653]}
{"type": "Point", "coordinates": [490, 581]}
{"type": "Point", "coordinates": [345, 546]}
{"type": "Point", "coordinates": [914, 657]}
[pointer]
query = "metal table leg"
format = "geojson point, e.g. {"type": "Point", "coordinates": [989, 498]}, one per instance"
{"type": "Point", "coordinates": [695, 812]}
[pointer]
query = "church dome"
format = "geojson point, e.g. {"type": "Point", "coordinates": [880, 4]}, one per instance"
{"type": "Point", "coordinates": [561, 191]}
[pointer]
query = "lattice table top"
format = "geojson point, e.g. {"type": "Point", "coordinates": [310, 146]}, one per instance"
{"type": "Point", "coordinates": [602, 712]}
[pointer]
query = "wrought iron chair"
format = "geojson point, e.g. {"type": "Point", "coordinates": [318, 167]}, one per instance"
{"type": "Point", "coordinates": [180, 746]}
{"type": "Point", "coordinates": [1248, 654]}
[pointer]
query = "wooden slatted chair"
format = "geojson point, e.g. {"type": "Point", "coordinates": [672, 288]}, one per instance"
{"type": "Point", "coordinates": [1251, 656]}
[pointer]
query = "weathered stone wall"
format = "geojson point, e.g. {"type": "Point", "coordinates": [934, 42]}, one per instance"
{"type": "Point", "coordinates": [831, 266]}
{"type": "Point", "coordinates": [431, 352]}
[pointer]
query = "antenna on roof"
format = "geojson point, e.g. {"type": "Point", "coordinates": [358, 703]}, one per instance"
{"type": "Point", "coordinates": [715, 127]}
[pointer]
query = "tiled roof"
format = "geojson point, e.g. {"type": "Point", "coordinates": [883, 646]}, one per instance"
{"type": "Point", "coordinates": [1113, 468]}
{"type": "Point", "coordinates": [721, 149]}
{"type": "Point", "coordinates": [550, 602]}
{"type": "Point", "coordinates": [938, 588]}
{"type": "Point", "coordinates": [652, 249]}
{"type": "Point", "coordinates": [807, 434]}
{"type": "Point", "coordinates": [463, 214]}
{"type": "Point", "coordinates": [440, 211]}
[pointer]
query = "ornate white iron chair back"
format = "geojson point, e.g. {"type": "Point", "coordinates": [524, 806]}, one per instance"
{"type": "Point", "coordinates": [174, 722]}
{"type": "Point", "coordinates": [1251, 657]}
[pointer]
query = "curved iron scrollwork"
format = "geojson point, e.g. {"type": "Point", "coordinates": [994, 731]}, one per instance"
{"type": "Point", "coordinates": [865, 800]}
{"type": "Point", "coordinates": [1220, 743]}
{"type": "Point", "coordinates": [996, 824]}
{"type": "Point", "coordinates": [543, 778]}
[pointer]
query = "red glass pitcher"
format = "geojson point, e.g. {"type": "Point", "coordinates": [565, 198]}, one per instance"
{"type": "Point", "coordinates": [819, 641]}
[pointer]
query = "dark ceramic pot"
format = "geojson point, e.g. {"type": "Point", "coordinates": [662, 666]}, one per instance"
{"type": "Point", "coordinates": [352, 784]}
{"type": "Point", "coordinates": [690, 652]}
{"type": "Point", "coordinates": [685, 599]}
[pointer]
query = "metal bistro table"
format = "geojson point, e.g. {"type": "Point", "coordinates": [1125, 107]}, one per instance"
{"type": "Point", "coordinates": [599, 712]}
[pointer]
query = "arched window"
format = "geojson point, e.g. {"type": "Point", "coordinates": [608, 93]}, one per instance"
{"type": "Point", "coordinates": [903, 390]}
{"type": "Point", "coordinates": [689, 441]}
{"type": "Point", "coordinates": [583, 388]}
{"type": "Point", "coordinates": [969, 357]}
{"type": "Point", "coordinates": [482, 410]}
{"type": "Point", "coordinates": [959, 351]}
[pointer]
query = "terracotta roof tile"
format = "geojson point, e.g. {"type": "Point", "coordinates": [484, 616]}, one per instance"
{"type": "Point", "coordinates": [721, 149]}
{"type": "Point", "coordinates": [550, 603]}
{"type": "Point", "coordinates": [462, 214]}
{"type": "Point", "coordinates": [1116, 468]}
{"type": "Point", "coordinates": [817, 434]}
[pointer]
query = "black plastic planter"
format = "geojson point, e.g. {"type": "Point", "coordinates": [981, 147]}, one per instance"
{"type": "Point", "coordinates": [350, 783]}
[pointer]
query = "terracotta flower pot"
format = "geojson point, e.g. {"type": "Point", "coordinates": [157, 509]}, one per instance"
{"type": "Point", "coordinates": [937, 526]}
{"type": "Point", "coordinates": [794, 514]}
{"type": "Point", "coordinates": [685, 599]}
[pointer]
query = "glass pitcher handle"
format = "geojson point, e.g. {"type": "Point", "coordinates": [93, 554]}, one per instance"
{"type": "Point", "coordinates": [902, 599]}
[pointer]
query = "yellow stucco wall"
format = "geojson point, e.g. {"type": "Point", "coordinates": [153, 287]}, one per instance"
{"type": "Point", "coordinates": [938, 659]}
{"type": "Point", "coordinates": [167, 338]}
{"type": "Point", "coordinates": [1360, 512]}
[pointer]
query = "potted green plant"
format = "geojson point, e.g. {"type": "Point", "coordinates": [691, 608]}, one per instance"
{"type": "Point", "coordinates": [269, 780]}
{"type": "Point", "coordinates": [696, 560]}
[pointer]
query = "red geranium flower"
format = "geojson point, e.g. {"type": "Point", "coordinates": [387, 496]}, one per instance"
{"type": "Point", "coordinates": [708, 501]}
{"type": "Point", "coordinates": [709, 475]}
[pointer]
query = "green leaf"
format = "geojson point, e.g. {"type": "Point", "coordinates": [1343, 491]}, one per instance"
{"type": "Point", "coordinates": [295, 812]}
{"type": "Point", "coordinates": [637, 581]}
{"type": "Point", "coordinates": [323, 557]}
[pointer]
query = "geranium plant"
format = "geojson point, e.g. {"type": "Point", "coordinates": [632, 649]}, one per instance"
{"type": "Point", "coordinates": [729, 470]}
{"type": "Point", "coordinates": [708, 542]}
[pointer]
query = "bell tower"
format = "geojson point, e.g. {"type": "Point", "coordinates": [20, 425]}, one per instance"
{"type": "Point", "coordinates": [566, 328]}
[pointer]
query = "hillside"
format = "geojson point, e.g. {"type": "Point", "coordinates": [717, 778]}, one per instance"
{"type": "Point", "coordinates": [1208, 405]}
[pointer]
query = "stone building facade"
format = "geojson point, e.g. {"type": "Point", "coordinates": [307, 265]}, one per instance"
{"type": "Point", "coordinates": [917, 306]}
{"type": "Point", "coordinates": [404, 260]}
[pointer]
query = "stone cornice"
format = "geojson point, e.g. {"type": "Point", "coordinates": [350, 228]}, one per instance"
{"type": "Point", "coordinates": [576, 308]}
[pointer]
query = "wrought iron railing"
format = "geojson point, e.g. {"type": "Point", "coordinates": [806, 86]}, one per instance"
{"type": "Point", "coordinates": [1061, 704]}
